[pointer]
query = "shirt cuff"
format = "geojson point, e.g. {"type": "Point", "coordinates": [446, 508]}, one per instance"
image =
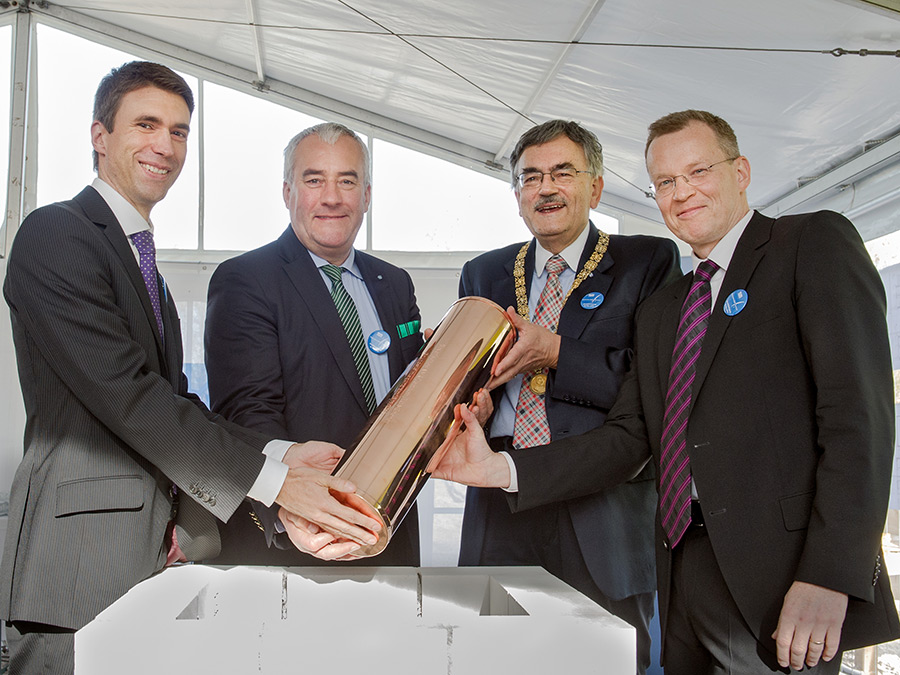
{"type": "Point", "coordinates": [269, 481]}
{"type": "Point", "coordinates": [277, 449]}
{"type": "Point", "coordinates": [513, 475]}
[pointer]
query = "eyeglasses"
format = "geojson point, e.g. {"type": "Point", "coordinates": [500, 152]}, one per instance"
{"type": "Point", "coordinates": [532, 180]}
{"type": "Point", "coordinates": [663, 187]}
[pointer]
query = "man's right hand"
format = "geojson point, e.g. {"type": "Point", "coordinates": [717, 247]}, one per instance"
{"type": "Point", "coordinates": [470, 460]}
{"type": "Point", "coordinates": [306, 493]}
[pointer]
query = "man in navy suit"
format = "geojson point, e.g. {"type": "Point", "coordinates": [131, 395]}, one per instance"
{"type": "Point", "coordinates": [124, 470]}
{"type": "Point", "coordinates": [278, 354]}
{"type": "Point", "coordinates": [762, 392]}
{"type": "Point", "coordinates": [563, 374]}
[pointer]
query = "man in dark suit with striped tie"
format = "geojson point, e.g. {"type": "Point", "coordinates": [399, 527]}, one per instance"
{"type": "Point", "coordinates": [124, 470]}
{"type": "Point", "coordinates": [762, 392]}
{"type": "Point", "coordinates": [305, 335]}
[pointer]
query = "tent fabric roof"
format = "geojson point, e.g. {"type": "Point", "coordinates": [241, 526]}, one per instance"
{"type": "Point", "coordinates": [468, 77]}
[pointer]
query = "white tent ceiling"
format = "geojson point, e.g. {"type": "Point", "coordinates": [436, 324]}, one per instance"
{"type": "Point", "coordinates": [463, 79]}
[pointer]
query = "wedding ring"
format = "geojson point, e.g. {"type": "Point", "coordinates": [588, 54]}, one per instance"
{"type": "Point", "coordinates": [815, 642]}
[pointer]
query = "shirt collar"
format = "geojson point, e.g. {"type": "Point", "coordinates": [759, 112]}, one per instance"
{"type": "Point", "coordinates": [128, 216]}
{"type": "Point", "coordinates": [349, 264]}
{"type": "Point", "coordinates": [571, 254]}
{"type": "Point", "coordinates": [723, 252]}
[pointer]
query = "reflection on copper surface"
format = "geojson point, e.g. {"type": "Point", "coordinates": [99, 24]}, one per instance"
{"type": "Point", "coordinates": [409, 432]}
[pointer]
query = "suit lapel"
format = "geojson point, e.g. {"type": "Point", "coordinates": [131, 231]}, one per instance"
{"type": "Point", "coordinates": [174, 360]}
{"type": "Point", "coordinates": [503, 289]}
{"type": "Point", "coordinates": [574, 317]}
{"type": "Point", "coordinates": [747, 254]}
{"type": "Point", "coordinates": [97, 210]}
{"type": "Point", "coordinates": [312, 292]}
{"type": "Point", "coordinates": [668, 325]}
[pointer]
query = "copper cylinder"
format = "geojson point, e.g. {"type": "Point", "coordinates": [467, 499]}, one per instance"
{"type": "Point", "coordinates": [409, 432]}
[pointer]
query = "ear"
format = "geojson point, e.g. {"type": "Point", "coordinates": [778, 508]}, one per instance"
{"type": "Point", "coordinates": [286, 193]}
{"type": "Point", "coordinates": [742, 166]}
{"type": "Point", "coordinates": [596, 191]}
{"type": "Point", "coordinates": [98, 137]}
{"type": "Point", "coordinates": [368, 197]}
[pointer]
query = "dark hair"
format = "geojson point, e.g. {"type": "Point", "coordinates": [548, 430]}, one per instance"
{"type": "Point", "coordinates": [553, 129]}
{"type": "Point", "coordinates": [675, 122]}
{"type": "Point", "coordinates": [129, 77]}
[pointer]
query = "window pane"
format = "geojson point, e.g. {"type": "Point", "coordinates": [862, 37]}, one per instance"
{"type": "Point", "coordinates": [606, 223]}
{"type": "Point", "coordinates": [69, 70]}
{"type": "Point", "coordinates": [421, 203]}
{"type": "Point", "coordinates": [244, 207]}
{"type": "Point", "coordinates": [5, 82]}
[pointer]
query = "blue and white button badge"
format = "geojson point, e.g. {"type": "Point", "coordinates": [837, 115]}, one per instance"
{"type": "Point", "coordinates": [735, 302]}
{"type": "Point", "coordinates": [592, 300]}
{"type": "Point", "coordinates": [379, 341]}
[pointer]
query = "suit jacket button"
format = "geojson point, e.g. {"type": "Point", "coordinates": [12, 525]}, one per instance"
{"type": "Point", "coordinates": [212, 501]}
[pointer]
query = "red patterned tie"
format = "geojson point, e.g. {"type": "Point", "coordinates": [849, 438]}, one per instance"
{"type": "Point", "coordinates": [675, 464]}
{"type": "Point", "coordinates": [531, 426]}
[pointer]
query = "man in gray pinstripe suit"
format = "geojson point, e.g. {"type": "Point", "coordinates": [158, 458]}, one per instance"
{"type": "Point", "coordinates": [123, 468]}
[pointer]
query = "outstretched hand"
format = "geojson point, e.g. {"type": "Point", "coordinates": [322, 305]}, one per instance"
{"type": "Point", "coordinates": [535, 348]}
{"type": "Point", "coordinates": [469, 460]}
{"type": "Point", "coordinates": [317, 455]}
{"type": "Point", "coordinates": [310, 538]}
{"type": "Point", "coordinates": [308, 494]}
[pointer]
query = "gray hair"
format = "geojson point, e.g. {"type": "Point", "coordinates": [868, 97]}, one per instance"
{"type": "Point", "coordinates": [329, 132]}
{"type": "Point", "coordinates": [550, 131]}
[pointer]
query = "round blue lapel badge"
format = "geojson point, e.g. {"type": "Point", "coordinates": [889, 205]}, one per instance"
{"type": "Point", "coordinates": [735, 302]}
{"type": "Point", "coordinates": [592, 300]}
{"type": "Point", "coordinates": [379, 341]}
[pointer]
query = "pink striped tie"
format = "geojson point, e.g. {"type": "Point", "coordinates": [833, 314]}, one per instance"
{"type": "Point", "coordinates": [675, 464]}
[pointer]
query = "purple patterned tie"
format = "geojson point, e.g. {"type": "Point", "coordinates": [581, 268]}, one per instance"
{"type": "Point", "coordinates": [675, 464]}
{"type": "Point", "coordinates": [143, 242]}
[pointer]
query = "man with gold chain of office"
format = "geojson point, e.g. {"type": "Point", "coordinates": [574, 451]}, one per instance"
{"type": "Point", "coordinates": [574, 290]}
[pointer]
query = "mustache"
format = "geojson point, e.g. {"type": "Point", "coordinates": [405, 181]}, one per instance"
{"type": "Point", "coordinates": [547, 201]}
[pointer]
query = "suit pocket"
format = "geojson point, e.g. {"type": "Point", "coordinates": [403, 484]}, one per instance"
{"type": "Point", "coordinates": [795, 510]}
{"type": "Point", "coordinates": [87, 495]}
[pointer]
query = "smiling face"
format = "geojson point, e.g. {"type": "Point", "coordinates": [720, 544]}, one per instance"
{"type": "Point", "coordinates": [699, 215]}
{"type": "Point", "coordinates": [555, 214]}
{"type": "Point", "coordinates": [143, 155]}
{"type": "Point", "coordinates": [327, 196]}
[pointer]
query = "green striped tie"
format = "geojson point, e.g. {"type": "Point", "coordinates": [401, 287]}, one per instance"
{"type": "Point", "coordinates": [346, 310]}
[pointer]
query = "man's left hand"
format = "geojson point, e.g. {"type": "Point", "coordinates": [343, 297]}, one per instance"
{"type": "Point", "coordinates": [310, 538]}
{"type": "Point", "coordinates": [535, 348]}
{"type": "Point", "coordinates": [809, 626]}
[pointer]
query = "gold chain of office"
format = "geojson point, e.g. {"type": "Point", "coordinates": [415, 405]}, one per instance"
{"type": "Point", "coordinates": [538, 380]}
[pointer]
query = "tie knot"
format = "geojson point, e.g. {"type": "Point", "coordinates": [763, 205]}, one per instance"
{"type": "Point", "coordinates": [333, 272]}
{"type": "Point", "coordinates": [556, 265]}
{"type": "Point", "coordinates": [143, 241]}
{"type": "Point", "coordinates": [706, 269]}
